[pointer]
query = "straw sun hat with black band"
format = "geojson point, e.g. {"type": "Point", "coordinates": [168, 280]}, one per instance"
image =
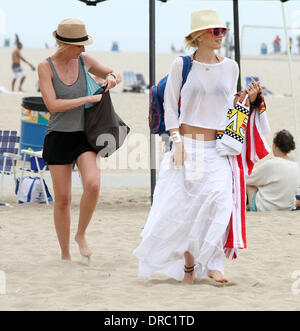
{"type": "Point", "coordinates": [205, 19]}
{"type": "Point", "coordinates": [72, 31]}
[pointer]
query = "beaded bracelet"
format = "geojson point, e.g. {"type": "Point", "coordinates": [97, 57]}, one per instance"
{"type": "Point", "coordinates": [111, 74]}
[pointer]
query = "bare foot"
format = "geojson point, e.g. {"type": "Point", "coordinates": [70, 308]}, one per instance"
{"type": "Point", "coordinates": [66, 257]}
{"type": "Point", "coordinates": [217, 276]}
{"type": "Point", "coordinates": [189, 276]}
{"type": "Point", "coordinates": [83, 247]}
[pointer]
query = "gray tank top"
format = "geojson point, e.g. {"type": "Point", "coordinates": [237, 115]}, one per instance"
{"type": "Point", "coordinates": [70, 120]}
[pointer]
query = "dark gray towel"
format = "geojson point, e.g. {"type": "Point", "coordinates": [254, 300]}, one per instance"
{"type": "Point", "coordinates": [105, 130]}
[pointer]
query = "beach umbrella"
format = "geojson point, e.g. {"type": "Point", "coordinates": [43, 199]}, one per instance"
{"type": "Point", "coordinates": [91, 2]}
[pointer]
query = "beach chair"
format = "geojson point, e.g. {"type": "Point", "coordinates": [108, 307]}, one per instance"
{"type": "Point", "coordinates": [9, 154]}
{"type": "Point", "coordinates": [141, 81]}
{"type": "Point", "coordinates": [130, 82]}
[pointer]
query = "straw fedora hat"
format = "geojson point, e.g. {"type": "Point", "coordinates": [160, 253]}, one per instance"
{"type": "Point", "coordinates": [205, 19]}
{"type": "Point", "coordinates": [72, 31]}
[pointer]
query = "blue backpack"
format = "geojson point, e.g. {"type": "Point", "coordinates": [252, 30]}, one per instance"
{"type": "Point", "coordinates": [156, 111]}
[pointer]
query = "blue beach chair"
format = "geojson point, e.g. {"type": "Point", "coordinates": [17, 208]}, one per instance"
{"type": "Point", "coordinates": [130, 82]}
{"type": "Point", "coordinates": [9, 154]}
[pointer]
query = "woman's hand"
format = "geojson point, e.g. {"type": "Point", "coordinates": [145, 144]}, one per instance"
{"type": "Point", "coordinates": [253, 90]}
{"type": "Point", "coordinates": [110, 81]}
{"type": "Point", "coordinates": [94, 98]}
{"type": "Point", "coordinates": [179, 155]}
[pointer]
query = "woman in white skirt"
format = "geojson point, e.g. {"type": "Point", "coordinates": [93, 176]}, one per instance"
{"type": "Point", "coordinates": [187, 225]}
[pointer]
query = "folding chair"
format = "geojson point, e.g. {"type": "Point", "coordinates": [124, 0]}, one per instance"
{"type": "Point", "coordinates": [141, 82]}
{"type": "Point", "coordinates": [130, 82]}
{"type": "Point", "coordinates": [9, 154]}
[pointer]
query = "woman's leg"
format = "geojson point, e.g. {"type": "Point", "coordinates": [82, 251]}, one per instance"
{"type": "Point", "coordinates": [90, 175]}
{"type": "Point", "coordinates": [61, 179]}
{"type": "Point", "coordinates": [189, 274]}
{"type": "Point", "coordinates": [216, 268]}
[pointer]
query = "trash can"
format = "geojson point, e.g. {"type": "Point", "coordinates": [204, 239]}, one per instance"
{"type": "Point", "coordinates": [34, 122]}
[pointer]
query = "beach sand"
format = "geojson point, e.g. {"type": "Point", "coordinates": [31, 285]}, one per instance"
{"type": "Point", "coordinates": [264, 277]}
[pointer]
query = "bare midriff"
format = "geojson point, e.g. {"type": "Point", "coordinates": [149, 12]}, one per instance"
{"type": "Point", "coordinates": [197, 133]}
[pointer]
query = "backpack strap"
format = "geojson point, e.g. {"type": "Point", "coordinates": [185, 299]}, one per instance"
{"type": "Point", "coordinates": [187, 65]}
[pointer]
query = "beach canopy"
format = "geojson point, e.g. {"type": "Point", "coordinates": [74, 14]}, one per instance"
{"type": "Point", "coordinates": [91, 2]}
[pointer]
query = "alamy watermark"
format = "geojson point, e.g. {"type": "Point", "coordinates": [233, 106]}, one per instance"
{"type": "Point", "coordinates": [134, 154]}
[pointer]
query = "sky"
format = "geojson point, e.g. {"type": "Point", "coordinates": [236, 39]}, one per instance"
{"type": "Point", "coordinates": [127, 21]}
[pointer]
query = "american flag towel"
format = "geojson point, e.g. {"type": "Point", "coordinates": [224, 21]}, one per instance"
{"type": "Point", "coordinates": [244, 144]}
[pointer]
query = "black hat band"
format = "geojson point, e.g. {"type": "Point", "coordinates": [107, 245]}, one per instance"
{"type": "Point", "coordinates": [71, 40]}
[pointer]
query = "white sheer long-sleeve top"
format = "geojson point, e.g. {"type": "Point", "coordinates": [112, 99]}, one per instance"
{"type": "Point", "coordinates": [205, 97]}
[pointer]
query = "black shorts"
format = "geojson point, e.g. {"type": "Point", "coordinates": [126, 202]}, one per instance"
{"type": "Point", "coordinates": [65, 147]}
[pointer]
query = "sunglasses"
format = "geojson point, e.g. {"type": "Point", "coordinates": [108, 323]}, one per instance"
{"type": "Point", "coordinates": [216, 32]}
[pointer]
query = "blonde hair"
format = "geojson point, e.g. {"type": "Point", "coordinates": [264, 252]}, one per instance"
{"type": "Point", "coordinates": [191, 40]}
{"type": "Point", "coordinates": [61, 46]}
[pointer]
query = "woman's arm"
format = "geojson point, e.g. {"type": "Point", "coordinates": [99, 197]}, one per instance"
{"type": "Point", "coordinates": [53, 104]}
{"type": "Point", "coordinates": [236, 73]}
{"type": "Point", "coordinates": [93, 66]}
{"type": "Point", "coordinates": [171, 98]}
{"type": "Point", "coordinates": [172, 94]}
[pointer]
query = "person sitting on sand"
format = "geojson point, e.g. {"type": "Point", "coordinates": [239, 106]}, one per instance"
{"type": "Point", "coordinates": [16, 67]}
{"type": "Point", "coordinates": [273, 185]}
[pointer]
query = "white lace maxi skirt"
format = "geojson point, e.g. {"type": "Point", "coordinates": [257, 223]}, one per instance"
{"type": "Point", "coordinates": [190, 212]}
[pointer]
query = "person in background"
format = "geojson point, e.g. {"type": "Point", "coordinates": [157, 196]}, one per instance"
{"type": "Point", "coordinates": [298, 39]}
{"type": "Point", "coordinates": [277, 46]}
{"type": "Point", "coordinates": [16, 67]}
{"type": "Point", "coordinates": [291, 44]}
{"type": "Point", "coordinates": [273, 185]}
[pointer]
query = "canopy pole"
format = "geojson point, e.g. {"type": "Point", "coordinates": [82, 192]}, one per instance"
{"type": "Point", "coordinates": [237, 38]}
{"type": "Point", "coordinates": [152, 82]}
{"type": "Point", "coordinates": [292, 85]}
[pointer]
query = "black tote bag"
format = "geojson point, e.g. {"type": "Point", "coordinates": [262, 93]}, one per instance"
{"type": "Point", "coordinates": [105, 130]}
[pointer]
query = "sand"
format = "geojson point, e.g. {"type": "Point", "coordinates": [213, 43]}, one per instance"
{"type": "Point", "coordinates": [264, 277]}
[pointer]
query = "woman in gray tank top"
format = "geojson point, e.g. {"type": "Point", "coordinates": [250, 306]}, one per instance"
{"type": "Point", "coordinates": [63, 87]}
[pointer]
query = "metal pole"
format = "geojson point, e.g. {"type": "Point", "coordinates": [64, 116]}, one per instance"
{"type": "Point", "coordinates": [292, 85]}
{"type": "Point", "coordinates": [152, 82]}
{"type": "Point", "coordinates": [237, 38]}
